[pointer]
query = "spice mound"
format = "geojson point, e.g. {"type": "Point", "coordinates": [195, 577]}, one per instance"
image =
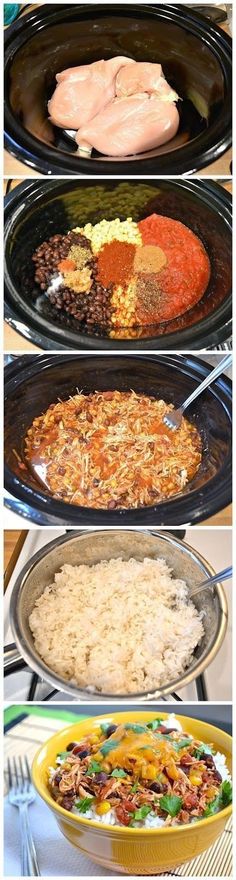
{"type": "Point", "coordinates": [121, 274]}
{"type": "Point", "coordinates": [125, 601]}
{"type": "Point", "coordinates": [141, 775]}
{"type": "Point", "coordinates": [110, 449]}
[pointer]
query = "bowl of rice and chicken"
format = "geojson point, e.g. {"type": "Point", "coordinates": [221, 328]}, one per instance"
{"type": "Point", "coordinates": [139, 793]}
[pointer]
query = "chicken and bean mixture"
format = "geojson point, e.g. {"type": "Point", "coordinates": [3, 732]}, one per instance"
{"type": "Point", "coordinates": [141, 775]}
{"type": "Point", "coordinates": [110, 449]}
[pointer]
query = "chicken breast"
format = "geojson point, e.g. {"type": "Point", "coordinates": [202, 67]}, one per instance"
{"type": "Point", "coordinates": [83, 91]}
{"type": "Point", "coordinates": [130, 125]}
{"type": "Point", "coordinates": [143, 77]}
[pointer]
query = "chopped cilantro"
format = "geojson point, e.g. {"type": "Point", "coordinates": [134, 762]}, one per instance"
{"type": "Point", "coordinates": [222, 799]}
{"type": "Point", "coordinates": [226, 792]}
{"type": "Point", "coordinates": [203, 749]}
{"type": "Point", "coordinates": [63, 755]}
{"type": "Point", "coordinates": [142, 813]}
{"type": "Point", "coordinates": [84, 804]}
{"type": "Point", "coordinates": [182, 744]}
{"type": "Point", "coordinates": [152, 725]}
{"type": "Point", "coordinates": [134, 787]}
{"type": "Point", "coordinates": [94, 767]}
{"type": "Point", "coordinates": [108, 746]}
{"type": "Point", "coordinates": [171, 804]}
{"type": "Point", "coordinates": [104, 726]}
{"type": "Point", "coordinates": [119, 773]}
{"type": "Point", "coordinates": [137, 728]}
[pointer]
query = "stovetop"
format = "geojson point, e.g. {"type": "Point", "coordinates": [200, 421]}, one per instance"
{"type": "Point", "coordinates": [215, 685]}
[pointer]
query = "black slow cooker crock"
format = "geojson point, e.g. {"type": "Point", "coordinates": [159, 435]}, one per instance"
{"type": "Point", "coordinates": [33, 383]}
{"type": "Point", "coordinates": [36, 210]}
{"type": "Point", "coordinates": [196, 59]}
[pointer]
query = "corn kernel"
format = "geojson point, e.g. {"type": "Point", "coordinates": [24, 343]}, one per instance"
{"type": "Point", "coordinates": [93, 739]}
{"type": "Point", "coordinates": [106, 767]}
{"type": "Point", "coordinates": [211, 793]}
{"type": "Point", "coordinates": [103, 808]}
{"type": "Point", "coordinates": [151, 772]}
{"type": "Point", "coordinates": [97, 756]}
{"type": "Point", "coordinates": [172, 770]}
{"type": "Point", "coordinates": [195, 779]}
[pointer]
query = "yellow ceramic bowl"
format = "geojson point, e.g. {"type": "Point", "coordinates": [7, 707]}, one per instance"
{"type": "Point", "coordinates": [131, 850]}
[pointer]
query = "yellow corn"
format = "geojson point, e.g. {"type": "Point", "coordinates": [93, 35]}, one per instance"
{"type": "Point", "coordinates": [195, 779]}
{"type": "Point", "coordinates": [93, 739]}
{"type": "Point", "coordinates": [106, 767]}
{"type": "Point", "coordinates": [172, 770]}
{"type": "Point", "coordinates": [151, 772]}
{"type": "Point", "coordinates": [211, 793]}
{"type": "Point", "coordinates": [103, 808]}
{"type": "Point", "coordinates": [97, 756]}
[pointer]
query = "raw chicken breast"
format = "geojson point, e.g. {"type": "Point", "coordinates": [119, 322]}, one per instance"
{"type": "Point", "coordinates": [130, 125]}
{"type": "Point", "coordinates": [83, 91]}
{"type": "Point", "coordinates": [144, 77]}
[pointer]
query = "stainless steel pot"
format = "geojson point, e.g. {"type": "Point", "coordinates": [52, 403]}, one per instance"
{"type": "Point", "coordinates": [91, 547]}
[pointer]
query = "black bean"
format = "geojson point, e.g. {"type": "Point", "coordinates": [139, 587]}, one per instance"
{"type": "Point", "coordinates": [111, 729]}
{"type": "Point", "coordinates": [158, 787]}
{"type": "Point", "coordinates": [83, 754]}
{"type": "Point", "coordinates": [71, 746]}
{"type": "Point", "coordinates": [101, 777]}
{"type": "Point", "coordinates": [57, 779]}
{"type": "Point", "coordinates": [216, 776]}
{"type": "Point", "coordinates": [208, 760]}
{"type": "Point", "coordinates": [67, 803]}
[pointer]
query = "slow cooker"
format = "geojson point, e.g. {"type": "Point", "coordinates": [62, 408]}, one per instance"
{"type": "Point", "coordinates": [196, 59]}
{"type": "Point", "coordinates": [36, 210]}
{"type": "Point", "coordinates": [33, 383]}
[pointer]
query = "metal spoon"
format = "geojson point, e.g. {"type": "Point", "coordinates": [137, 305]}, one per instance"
{"type": "Point", "coordinates": [215, 579]}
{"type": "Point", "coordinates": [173, 419]}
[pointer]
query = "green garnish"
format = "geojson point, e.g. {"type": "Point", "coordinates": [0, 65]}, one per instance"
{"type": "Point", "coordinates": [137, 728]}
{"type": "Point", "coordinates": [63, 755]}
{"type": "Point", "coordinates": [142, 812]}
{"type": "Point", "coordinates": [104, 726]}
{"type": "Point", "coordinates": [94, 767]}
{"type": "Point", "coordinates": [226, 792]}
{"type": "Point", "coordinates": [84, 804]}
{"type": "Point", "coordinates": [134, 787]}
{"type": "Point", "coordinates": [201, 750]}
{"type": "Point", "coordinates": [176, 745]}
{"type": "Point", "coordinates": [222, 799]}
{"type": "Point", "coordinates": [182, 744]}
{"type": "Point", "coordinates": [154, 724]}
{"type": "Point", "coordinates": [108, 746]}
{"type": "Point", "coordinates": [171, 804]}
{"type": "Point", "coordinates": [119, 773]}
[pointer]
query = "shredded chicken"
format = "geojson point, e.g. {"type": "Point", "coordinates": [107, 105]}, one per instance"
{"type": "Point", "coordinates": [110, 449]}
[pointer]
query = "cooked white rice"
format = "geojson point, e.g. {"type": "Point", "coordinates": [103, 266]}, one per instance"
{"type": "Point", "coordinates": [118, 627]}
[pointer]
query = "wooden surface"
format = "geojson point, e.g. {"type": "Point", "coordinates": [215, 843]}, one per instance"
{"type": "Point", "coordinates": [13, 542]}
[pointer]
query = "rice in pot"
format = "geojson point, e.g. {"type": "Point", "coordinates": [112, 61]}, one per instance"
{"type": "Point", "coordinates": [119, 627]}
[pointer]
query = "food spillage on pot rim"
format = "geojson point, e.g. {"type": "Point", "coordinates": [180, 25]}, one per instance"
{"type": "Point", "coordinates": [110, 449]}
{"type": "Point", "coordinates": [141, 775]}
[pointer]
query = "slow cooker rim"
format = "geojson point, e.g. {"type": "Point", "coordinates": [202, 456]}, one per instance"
{"type": "Point", "coordinates": [179, 510]}
{"type": "Point", "coordinates": [47, 160]}
{"type": "Point", "coordinates": [166, 537]}
{"type": "Point", "coordinates": [198, 334]}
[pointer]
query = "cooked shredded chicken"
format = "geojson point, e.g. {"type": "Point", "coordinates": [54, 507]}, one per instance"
{"type": "Point", "coordinates": [141, 775]}
{"type": "Point", "coordinates": [110, 449]}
